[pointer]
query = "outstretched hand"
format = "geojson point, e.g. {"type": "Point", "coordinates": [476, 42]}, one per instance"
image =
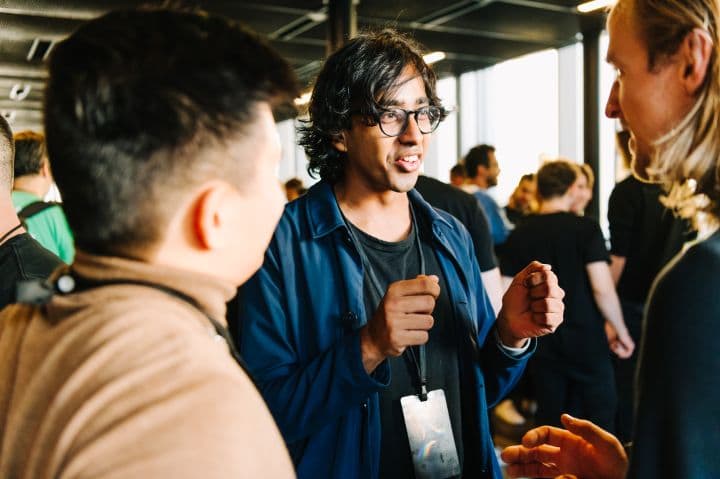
{"type": "Point", "coordinates": [583, 450]}
{"type": "Point", "coordinates": [532, 305]}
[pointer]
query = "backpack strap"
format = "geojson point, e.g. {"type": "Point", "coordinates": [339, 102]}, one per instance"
{"type": "Point", "coordinates": [34, 208]}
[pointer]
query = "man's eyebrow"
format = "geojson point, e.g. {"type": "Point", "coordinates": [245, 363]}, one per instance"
{"type": "Point", "coordinates": [420, 101]}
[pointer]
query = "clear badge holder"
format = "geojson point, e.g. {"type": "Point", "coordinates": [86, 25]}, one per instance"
{"type": "Point", "coordinates": [431, 438]}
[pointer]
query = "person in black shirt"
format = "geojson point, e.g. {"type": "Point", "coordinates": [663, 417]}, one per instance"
{"type": "Point", "coordinates": [644, 237]}
{"type": "Point", "coordinates": [21, 257]}
{"type": "Point", "coordinates": [465, 207]}
{"type": "Point", "coordinates": [572, 371]}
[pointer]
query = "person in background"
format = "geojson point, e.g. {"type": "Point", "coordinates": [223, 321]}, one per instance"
{"type": "Point", "coordinates": [644, 236]}
{"type": "Point", "coordinates": [159, 125]}
{"type": "Point", "coordinates": [583, 189]}
{"type": "Point", "coordinates": [294, 188]}
{"type": "Point", "coordinates": [44, 221]}
{"type": "Point", "coordinates": [21, 257]}
{"type": "Point", "coordinates": [465, 208]}
{"type": "Point", "coordinates": [523, 200]}
{"type": "Point", "coordinates": [482, 171]}
{"type": "Point", "coordinates": [370, 308]}
{"type": "Point", "coordinates": [667, 93]}
{"type": "Point", "coordinates": [457, 175]}
{"type": "Point", "coordinates": [572, 370]}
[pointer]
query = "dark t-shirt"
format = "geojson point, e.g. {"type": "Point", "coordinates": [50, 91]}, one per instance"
{"type": "Point", "coordinates": [394, 262]}
{"type": "Point", "coordinates": [22, 258]}
{"type": "Point", "coordinates": [645, 233]}
{"type": "Point", "coordinates": [568, 243]}
{"type": "Point", "coordinates": [464, 207]}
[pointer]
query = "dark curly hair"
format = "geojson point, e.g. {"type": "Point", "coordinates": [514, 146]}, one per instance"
{"type": "Point", "coordinates": [358, 79]}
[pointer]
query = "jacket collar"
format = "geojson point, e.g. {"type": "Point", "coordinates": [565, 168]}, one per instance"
{"type": "Point", "coordinates": [325, 215]}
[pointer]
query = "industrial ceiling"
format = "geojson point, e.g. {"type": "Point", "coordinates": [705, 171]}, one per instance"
{"type": "Point", "coordinates": [474, 34]}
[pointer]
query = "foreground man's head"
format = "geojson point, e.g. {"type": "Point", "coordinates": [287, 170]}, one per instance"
{"type": "Point", "coordinates": [159, 125]}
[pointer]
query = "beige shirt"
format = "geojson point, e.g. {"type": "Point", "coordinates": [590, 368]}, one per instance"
{"type": "Point", "coordinates": [127, 381]}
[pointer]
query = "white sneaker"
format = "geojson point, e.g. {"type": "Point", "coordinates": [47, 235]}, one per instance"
{"type": "Point", "coordinates": [506, 412]}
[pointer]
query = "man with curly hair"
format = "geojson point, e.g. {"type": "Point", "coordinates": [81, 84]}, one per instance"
{"type": "Point", "coordinates": [369, 307]}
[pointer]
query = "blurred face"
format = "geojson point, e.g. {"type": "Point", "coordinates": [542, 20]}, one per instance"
{"type": "Point", "coordinates": [649, 102]}
{"type": "Point", "coordinates": [525, 194]}
{"type": "Point", "coordinates": [493, 170]}
{"type": "Point", "coordinates": [581, 194]}
{"type": "Point", "coordinates": [379, 163]}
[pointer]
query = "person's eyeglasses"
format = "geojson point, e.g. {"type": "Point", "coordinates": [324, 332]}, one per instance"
{"type": "Point", "coordinates": [394, 121]}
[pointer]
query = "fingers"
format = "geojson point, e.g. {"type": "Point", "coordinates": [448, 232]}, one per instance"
{"type": "Point", "coordinates": [523, 462]}
{"type": "Point", "coordinates": [410, 304]}
{"type": "Point", "coordinates": [593, 434]}
{"type": "Point", "coordinates": [533, 267]}
{"type": "Point", "coordinates": [547, 305]}
{"type": "Point", "coordinates": [544, 284]}
{"type": "Point", "coordinates": [415, 322]}
{"type": "Point", "coordinates": [547, 322]}
{"type": "Point", "coordinates": [551, 435]}
{"type": "Point", "coordinates": [543, 453]}
{"type": "Point", "coordinates": [421, 285]}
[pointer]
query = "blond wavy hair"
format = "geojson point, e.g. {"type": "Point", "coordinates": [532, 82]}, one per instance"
{"type": "Point", "coordinates": [686, 160]}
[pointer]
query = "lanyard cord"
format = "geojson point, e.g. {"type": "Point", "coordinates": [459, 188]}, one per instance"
{"type": "Point", "coordinates": [420, 362]}
{"type": "Point", "coordinates": [12, 230]}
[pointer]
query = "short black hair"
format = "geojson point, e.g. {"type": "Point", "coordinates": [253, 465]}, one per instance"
{"type": "Point", "coordinates": [358, 79]}
{"type": "Point", "coordinates": [133, 99]}
{"type": "Point", "coordinates": [554, 178]}
{"type": "Point", "coordinates": [7, 155]}
{"type": "Point", "coordinates": [477, 156]}
{"type": "Point", "coordinates": [30, 153]}
{"type": "Point", "coordinates": [458, 170]}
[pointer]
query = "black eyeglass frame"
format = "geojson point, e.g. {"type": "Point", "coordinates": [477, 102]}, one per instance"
{"type": "Point", "coordinates": [441, 114]}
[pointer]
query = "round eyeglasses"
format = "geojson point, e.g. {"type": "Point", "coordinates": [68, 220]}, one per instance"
{"type": "Point", "coordinates": [394, 121]}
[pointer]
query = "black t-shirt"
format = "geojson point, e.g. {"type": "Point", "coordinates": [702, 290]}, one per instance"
{"type": "Point", "coordinates": [22, 258]}
{"type": "Point", "coordinates": [465, 208]}
{"type": "Point", "coordinates": [394, 262]}
{"type": "Point", "coordinates": [568, 243]}
{"type": "Point", "coordinates": [645, 233]}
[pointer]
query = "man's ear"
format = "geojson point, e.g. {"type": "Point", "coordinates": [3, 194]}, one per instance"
{"type": "Point", "coordinates": [339, 142]}
{"type": "Point", "coordinates": [696, 50]}
{"type": "Point", "coordinates": [211, 215]}
{"type": "Point", "coordinates": [45, 169]}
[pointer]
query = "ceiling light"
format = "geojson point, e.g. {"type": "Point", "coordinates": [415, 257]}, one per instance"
{"type": "Point", "coordinates": [434, 57]}
{"type": "Point", "coordinates": [595, 5]}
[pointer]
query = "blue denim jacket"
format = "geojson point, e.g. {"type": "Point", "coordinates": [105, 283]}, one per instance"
{"type": "Point", "coordinates": [300, 316]}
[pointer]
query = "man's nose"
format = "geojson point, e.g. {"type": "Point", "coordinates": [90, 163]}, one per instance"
{"type": "Point", "coordinates": [412, 133]}
{"type": "Point", "coordinates": [612, 107]}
